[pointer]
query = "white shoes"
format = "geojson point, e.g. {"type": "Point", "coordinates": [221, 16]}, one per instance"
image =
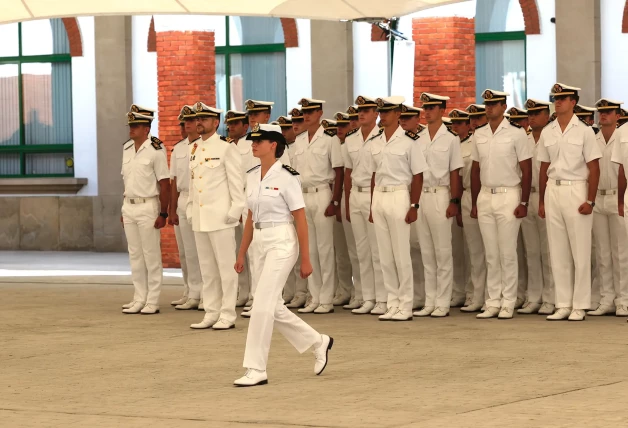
{"type": "Point", "coordinates": [353, 304]}
{"type": "Point", "coordinates": [200, 306]}
{"type": "Point", "coordinates": [622, 311]}
{"type": "Point", "coordinates": [252, 377]}
{"type": "Point", "coordinates": [457, 302]}
{"type": "Point", "coordinates": [181, 301]}
{"type": "Point", "coordinates": [440, 312]}
{"type": "Point", "coordinates": [341, 300]}
{"type": "Point", "coordinates": [150, 310]}
{"type": "Point", "coordinates": [321, 353]}
{"type": "Point", "coordinates": [472, 307]}
{"type": "Point", "coordinates": [529, 308]}
{"type": "Point", "coordinates": [297, 302]}
{"type": "Point", "coordinates": [308, 309]}
{"type": "Point", "coordinates": [188, 305]}
{"type": "Point", "coordinates": [468, 301]}
{"type": "Point", "coordinates": [128, 305]}
{"type": "Point", "coordinates": [223, 324]}
{"type": "Point", "coordinates": [602, 310]}
{"type": "Point", "coordinates": [577, 315]}
{"type": "Point", "coordinates": [561, 314]}
{"type": "Point", "coordinates": [387, 316]}
{"type": "Point", "coordinates": [425, 312]}
{"type": "Point", "coordinates": [519, 302]}
{"type": "Point", "coordinates": [241, 302]}
{"type": "Point", "coordinates": [207, 322]}
{"type": "Point", "coordinates": [402, 316]}
{"type": "Point", "coordinates": [135, 308]}
{"type": "Point", "coordinates": [324, 309]}
{"type": "Point", "coordinates": [379, 309]}
{"type": "Point", "coordinates": [489, 312]}
{"type": "Point", "coordinates": [366, 308]}
{"type": "Point", "coordinates": [246, 314]}
{"type": "Point", "coordinates": [547, 309]}
{"type": "Point", "coordinates": [505, 313]}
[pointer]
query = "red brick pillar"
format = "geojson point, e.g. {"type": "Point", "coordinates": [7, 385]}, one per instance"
{"type": "Point", "coordinates": [445, 59]}
{"type": "Point", "coordinates": [186, 73]}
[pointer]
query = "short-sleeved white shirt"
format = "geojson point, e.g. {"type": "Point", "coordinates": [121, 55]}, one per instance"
{"type": "Point", "coordinates": [397, 160]}
{"type": "Point", "coordinates": [568, 152]}
{"type": "Point", "coordinates": [442, 155]}
{"type": "Point", "coordinates": [359, 157]}
{"type": "Point", "coordinates": [620, 148]}
{"type": "Point", "coordinates": [499, 153]}
{"type": "Point", "coordinates": [315, 160]}
{"type": "Point", "coordinates": [273, 198]}
{"type": "Point", "coordinates": [465, 152]}
{"type": "Point", "coordinates": [536, 163]}
{"type": "Point", "coordinates": [180, 165]}
{"type": "Point", "coordinates": [608, 169]}
{"type": "Point", "coordinates": [142, 170]}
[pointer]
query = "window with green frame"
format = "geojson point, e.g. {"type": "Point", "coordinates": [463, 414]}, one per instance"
{"type": "Point", "coordinates": [251, 64]}
{"type": "Point", "coordinates": [36, 98]}
{"type": "Point", "coordinates": [500, 49]}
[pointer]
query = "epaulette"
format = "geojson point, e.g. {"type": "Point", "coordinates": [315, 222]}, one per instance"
{"type": "Point", "coordinates": [179, 142]}
{"type": "Point", "coordinates": [516, 125]}
{"type": "Point", "coordinates": [412, 135]}
{"type": "Point", "coordinates": [596, 130]}
{"type": "Point", "coordinates": [227, 139]}
{"type": "Point", "coordinates": [528, 131]}
{"type": "Point", "coordinates": [156, 143]}
{"type": "Point", "coordinates": [454, 133]}
{"type": "Point", "coordinates": [421, 128]}
{"type": "Point", "coordinates": [481, 126]}
{"type": "Point", "coordinates": [127, 141]}
{"type": "Point", "coordinates": [331, 132]}
{"type": "Point", "coordinates": [466, 138]}
{"type": "Point", "coordinates": [194, 141]}
{"type": "Point", "coordinates": [583, 121]}
{"type": "Point", "coordinates": [253, 169]}
{"type": "Point", "coordinates": [130, 145]}
{"type": "Point", "coordinates": [353, 131]}
{"type": "Point", "coordinates": [290, 169]}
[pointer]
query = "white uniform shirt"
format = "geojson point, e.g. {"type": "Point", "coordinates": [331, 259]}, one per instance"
{"type": "Point", "coordinates": [608, 169]}
{"type": "Point", "coordinates": [216, 184]}
{"type": "Point", "coordinates": [536, 163]}
{"type": "Point", "coordinates": [568, 152]}
{"type": "Point", "coordinates": [358, 157]}
{"type": "Point", "coordinates": [249, 161]}
{"type": "Point", "coordinates": [397, 160]}
{"type": "Point", "coordinates": [273, 198]}
{"type": "Point", "coordinates": [465, 152]}
{"type": "Point", "coordinates": [315, 160]}
{"type": "Point", "coordinates": [442, 155]}
{"type": "Point", "coordinates": [620, 148]}
{"type": "Point", "coordinates": [142, 170]}
{"type": "Point", "coordinates": [180, 165]}
{"type": "Point", "coordinates": [499, 153]}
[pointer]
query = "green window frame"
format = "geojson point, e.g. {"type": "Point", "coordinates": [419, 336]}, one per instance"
{"type": "Point", "coordinates": [23, 149]}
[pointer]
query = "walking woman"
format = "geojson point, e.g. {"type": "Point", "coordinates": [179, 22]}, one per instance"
{"type": "Point", "coordinates": [274, 198]}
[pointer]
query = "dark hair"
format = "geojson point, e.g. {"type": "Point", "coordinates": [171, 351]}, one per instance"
{"type": "Point", "coordinates": [574, 97]}
{"type": "Point", "coordinates": [245, 120]}
{"type": "Point", "coordinates": [443, 104]}
{"type": "Point", "coordinates": [281, 147]}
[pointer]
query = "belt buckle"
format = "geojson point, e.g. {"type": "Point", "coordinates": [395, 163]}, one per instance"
{"type": "Point", "coordinates": [493, 191]}
{"type": "Point", "coordinates": [132, 201]}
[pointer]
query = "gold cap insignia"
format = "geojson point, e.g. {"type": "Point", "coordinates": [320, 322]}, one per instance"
{"type": "Point", "coordinates": [339, 116]}
{"type": "Point", "coordinates": [282, 120]}
{"type": "Point", "coordinates": [603, 103]}
{"type": "Point", "coordinates": [325, 124]}
{"type": "Point", "coordinates": [404, 108]}
{"type": "Point", "coordinates": [255, 128]}
{"type": "Point", "coordinates": [130, 116]}
{"type": "Point", "coordinates": [187, 110]}
{"type": "Point", "coordinates": [473, 109]}
{"type": "Point", "coordinates": [135, 109]}
{"type": "Point", "coordinates": [230, 115]}
{"type": "Point", "coordinates": [425, 98]}
{"type": "Point", "coordinates": [454, 113]}
{"type": "Point", "coordinates": [513, 112]}
{"type": "Point", "coordinates": [530, 104]}
{"type": "Point", "coordinates": [380, 103]}
{"type": "Point", "coordinates": [199, 106]}
{"type": "Point", "coordinates": [305, 102]}
{"type": "Point", "coordinates": [557, 89]}
{"type": "Point", "coordinates": [360, 101]}
{"type": "Point", "coordinates": [487, 95]}
{"type": "Point", "coordinates": [250, 104]}
{"type": "Point", "coordinates": [295, 112]}
{"type": "Point", "coordinates": [352, 110]}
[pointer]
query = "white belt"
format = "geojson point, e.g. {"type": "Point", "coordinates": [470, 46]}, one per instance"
{"type": "Point", "coordinates": [494, 190]}
{"type": "Point", "coordinates": [265, 225]}
{"type": "Point", "coordinates": [184, 193]}
{"type": "Point", "coordinates": [435, 189]}
{"type": "Point", "coordinates": [363, 189]}
{"type": "Point", "coordinates": [566, 182]}
{"type": "Point", "coordinates": [390, 188]}
{"type": "Point", "coordinates": [135, 201]}
{"type": "Point", "coordinates": [315, 189]}
{"type": "Point", "coordinates": [607, 192]}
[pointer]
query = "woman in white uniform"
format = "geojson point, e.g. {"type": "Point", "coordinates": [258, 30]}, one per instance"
{"type": "Point", "coordinates": [274, 198]}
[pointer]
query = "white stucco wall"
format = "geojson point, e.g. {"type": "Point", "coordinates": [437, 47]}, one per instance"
{"type": "Point", "coordinates": [614, 58]}
{"type": "Point", "coordinates": [299, 66]}
{"type": "Point", "coordinates": [144, 65]}
{"type": "Point", "coordinates": [541, 54]}
{"type": "Point", "coordinates": [370, 63]}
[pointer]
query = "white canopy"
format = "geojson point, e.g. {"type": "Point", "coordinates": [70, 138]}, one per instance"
{"type": "Point", "coordinates": [23, 10]}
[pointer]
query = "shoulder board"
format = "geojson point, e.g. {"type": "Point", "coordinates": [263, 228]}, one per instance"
{"type": "Point", "coordinates": [179, 142]}
{"type": "Point", "coordinates": [331, 132]}
{"type": "Point", "coordinates": [353, 131]}
{"type": "Point", "coordinates": [516, 125]}
{"type": "Point", "coordinates": [253, 169]}
{"type": "Point", "coordinates": [481, 126]}
{"type": "Point", "coordinates": [583, 121]}
{"type": "Point", "coordinates": [127, 141]}
{"type": "Point", "coordinates": [421, 128]}
{"type": "Point", "coordinates": [466, 138]}
{"type": "Point", "coordinates": [454, 133]}
{"type": "Point", "coordinates": [129, 146]}
{"type": "Point", "coordinates": [156, 143]}
{"type": "Point", "coordinates": [194, 141]}
{"type": "Point", "coordinates": [412, 135]}
{"type": "Point", "coordinates": [290, 169]}
{"type": "Point", "coordinates": [227, 139]}
{"type": "Point", "coordinates": [596, 130]}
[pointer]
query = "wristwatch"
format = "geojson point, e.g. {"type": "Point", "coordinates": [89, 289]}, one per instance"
{"type": "Point", "coordinates": [336, 203]}
{"type": "Point", "coordinates": [414, 206]}
{"type": "Point", "coordinates": [525, 204]}
{"type": "Point", "coordinates": [455, 201]}
{"type": "Point", "coordinates": [592, 203]}
{"type": "Point", "coordinates": [164, 215]}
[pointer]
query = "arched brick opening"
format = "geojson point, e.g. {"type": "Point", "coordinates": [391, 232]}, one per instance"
{"type": "Point", "coordinates": [74, 36]}
{"type": "Point", "coordinates": [624, 22]}
{"type": "Point", "coordinates": [289, 25]}
{"type": "Point", "coordinates": [531, 16]}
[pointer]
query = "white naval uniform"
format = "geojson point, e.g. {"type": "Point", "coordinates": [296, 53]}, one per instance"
{"type": "Point", "coordinates": [188, 255]}
{"type": "Point", "coordinates": [315, 160]}
{"type": "Point", "coordinates": [358, 159]}
{"type": "Point", "coordinates": [569, 231]}
{"type": "Point", "coordinates": [620, 156]}
{"type": "Point", "coordinates": [215, 205]}
{"type": "Point", "coordinates": [471, 229]}
{"type": "Point", "coordinates": [540, 287]}
{"type": "Point", "coordinates": [142, 170]}
{"type": "Point", "coordinates": [442, 154]}
{"type": "Point", "coordinates": [499, 154]}
{"type": "Point", "coordinates": [272, 200]}
{"type": "Point", "coordinates": [395, 162]}
{"type": "Point", "coordinates": [609, 233]}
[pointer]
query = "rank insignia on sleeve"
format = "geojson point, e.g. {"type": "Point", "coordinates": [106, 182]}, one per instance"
{"type": "Point", "coordinates": [227, 139]}
{"type": "Point", "coordinates": [290, 169]}
{"type": "Point", "coordinates": [353, 131]}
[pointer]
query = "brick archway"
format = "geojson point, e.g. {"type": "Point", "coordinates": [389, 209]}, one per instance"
{"type": "Point", "coordinates": [74, 36]}
{"type": "Point", "coordinates": [531, 16]}
{"type": "Point", "coordinates": [624, 22]}
{"type": "Point", "coordinates": [289, 25]}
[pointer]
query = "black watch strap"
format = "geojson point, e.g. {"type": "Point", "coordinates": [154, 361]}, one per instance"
{"type": "Point", "coordinates": [455, 201]}
{"type": "Point", "coordinates": [164, 215]}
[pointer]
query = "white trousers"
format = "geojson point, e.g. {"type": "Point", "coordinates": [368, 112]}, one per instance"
{"type": "Point", "coordinates": [295, 285]}
{"type": "Point", "coordinates": [321, 238]}
{"type": "Point", "coordinates": [569, 234]}
{"type": "Point", "coordinates": [522, 279]}
{"type": "Point", "coordinates": [611, 251]}
{"type": "Point", "coordinates": [192, 279]}
{"type": "Point", "coordinates": [244, 278]}
{"type": "Point", "coordinates": [217, 256]}
{"type": "Point", "coordinates": [475, 250]}
{"type": "Point", "coordinates": [371, 277]}
{"type": "Point", "coordinates": [434, 230]}
{"type": "Point", "coordinates": [253, 264]}
{"type": "Point", "coordinates": [500, 229]}
{"type": "Point", "coordinates": [462, 288]}
{"type": "Point", "coordinates": [540, 281]}
{"type": "Point", "coordinates": [347, 263]}
{"type": "Point", "coordinates": [278, 246]}
{"type": "Point", "coordinates": [144, 249]}
{"type": "Point", "coordinates": [418, 273]}
{"type": "Point", "coordinates": [393, 241]}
